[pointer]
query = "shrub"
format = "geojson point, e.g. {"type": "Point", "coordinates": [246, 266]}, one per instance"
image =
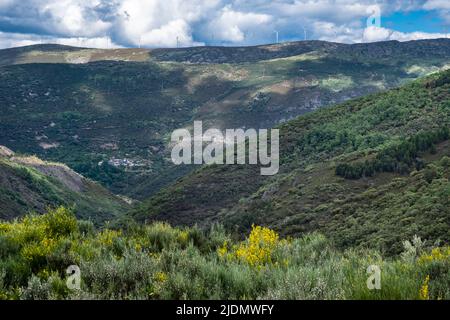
{"type": "Point", "coordinates": [127, 277]}
{"type": "Point", "coordinates": [161, 262]}
{"type": "Point", "coordinates": [257, 251]}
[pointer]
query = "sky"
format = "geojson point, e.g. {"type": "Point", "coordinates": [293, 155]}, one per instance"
{"type": "Point", "coordinates": [172, 23]}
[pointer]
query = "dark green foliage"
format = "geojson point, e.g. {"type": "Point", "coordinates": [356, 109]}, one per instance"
{"type": "Point", "coordinates": [399, 158]}
{"type": "Point", "coordinates": [27, 184]}
{"type": "Point", "coordinates": [396, 128]}
{"type": "Point", "coordinates": [99, 111]}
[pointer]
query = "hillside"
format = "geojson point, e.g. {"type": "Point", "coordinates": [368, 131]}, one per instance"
{"type": "Point", "coordinates": [54, 53]}
{"type": "Point", "coordinates": [28, 184]}
{"type": "Point", "coordinates": [407, 194]}
{"type": "Point", "coordinates": [108, 114]}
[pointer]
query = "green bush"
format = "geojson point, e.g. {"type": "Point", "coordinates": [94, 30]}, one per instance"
{"type": "Point", "coordinates": [161, 262]}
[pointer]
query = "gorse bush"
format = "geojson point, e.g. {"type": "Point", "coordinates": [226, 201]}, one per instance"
{"type": "Point", "coordinates": [259, 247]}
{"type": "Point", "coordinates": [158, 261]}
{"type": "Point", "coordinates": [257, 251]}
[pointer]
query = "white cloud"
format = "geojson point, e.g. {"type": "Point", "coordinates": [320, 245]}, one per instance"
{"type": "Point", "coordinates": [158, 23]}
{"type": "Point", "coordinates": [9, 40]}
{"type": "Point", "coordinates": [97, 42]}
{"type": "Point", "coordinates": [71, 17]}
{"type": "Point", "coordinates": [443, 6]}
{"type": "Point", "coordinates": [401, 36]}
{"type": "Point", "coordinates": [373, 34]}
{"type": "Point", "coordinates": [232, 25]}
{"type": "Point", "coordinates": [329, 31]}
{"type": "Point", "coordinates": [176, 32]}
{"type": "Point", "coordinates": [437, 5]}
{"type": "Point", "coordinates": [6, 3]}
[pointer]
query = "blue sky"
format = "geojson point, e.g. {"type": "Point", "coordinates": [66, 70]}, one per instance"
{"type": "Point", "coordinates": [164, 23]}
{"type": "Point", "coordinates": [417, 20]}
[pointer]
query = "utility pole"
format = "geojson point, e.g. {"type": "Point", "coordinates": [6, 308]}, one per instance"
{"type": "Point", "coordinates": [276, 35]}
{"type": "Point", "coordinates": [178, 43]}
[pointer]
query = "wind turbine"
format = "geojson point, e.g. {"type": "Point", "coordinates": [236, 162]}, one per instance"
{"type": "Point", "coordinates": [445, 29]}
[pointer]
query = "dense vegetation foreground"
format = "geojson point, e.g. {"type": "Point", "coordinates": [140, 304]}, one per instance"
{"type": "Point", "coordinates": [161, 262]}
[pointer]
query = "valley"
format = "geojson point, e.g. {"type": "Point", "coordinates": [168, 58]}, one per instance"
{"type": "Point", "coordinates": [86, 177]}
{"type": "Point", "coordinates": [307, 195]}
{"type": "Point", "coordinates": [108, 114]}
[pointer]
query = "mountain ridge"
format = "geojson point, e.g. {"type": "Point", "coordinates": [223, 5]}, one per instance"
{"type": "Point", "coordinates": [212, 54]}
{"type": "Point", "coordinates": [111, 120]}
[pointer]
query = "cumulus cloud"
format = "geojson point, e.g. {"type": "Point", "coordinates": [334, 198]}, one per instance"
{"type": "Point", "coordinates": [74, 18]}
{"type": "Point", "coordinates": [232, 26]}
{"type": "Point", "coordinates": [329, 31]}
{"type": "Point", "coordinates": [160, 23]}
{"type": "Point", "coordinates": [166, 23]}
{"type": "Point", "coordinates": [96, 42]}
{"type": "Point", "coordinates": [443, 6]}
{"type": "Point", "coordinates": [373, 34]}
{"type": "Point", "coordinates": [437, 5]}
{"type": "Point", "coordinates": [174, 33]}
{"type": "Point", "coordinates": [8, 40]}
{"type": "Point", "coordinates": [401, 36]}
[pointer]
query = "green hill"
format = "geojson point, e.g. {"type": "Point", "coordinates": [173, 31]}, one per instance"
{"type": "Point", "coordinates": [108, 114]}
{"type": "Point", "coordinates": [28, 184]}
{"type": "Point", "coordinates": [403, 133]}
